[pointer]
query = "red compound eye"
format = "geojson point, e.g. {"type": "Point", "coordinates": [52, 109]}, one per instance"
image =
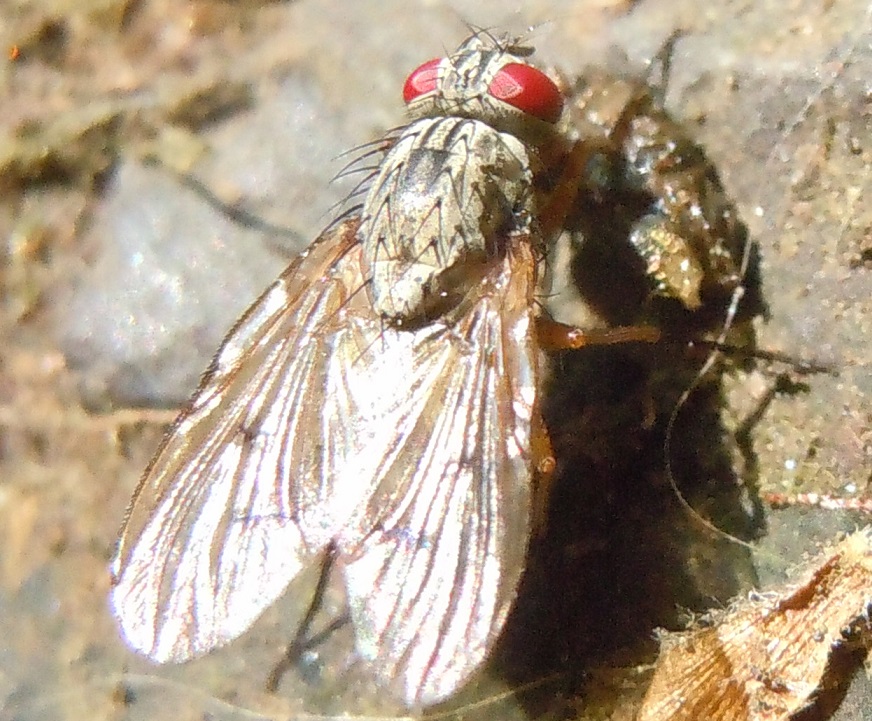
{"type": "Point", "coordinates": [422, 81]}
{"type": "Point", "coordinates": [529, 90]}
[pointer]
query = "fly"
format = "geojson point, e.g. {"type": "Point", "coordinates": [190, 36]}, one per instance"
{"type": "Point", "coordinates": [379, 400]}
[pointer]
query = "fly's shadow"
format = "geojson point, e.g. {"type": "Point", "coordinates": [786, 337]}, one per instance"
{"type": "Point", "coordinates": [621, 557]}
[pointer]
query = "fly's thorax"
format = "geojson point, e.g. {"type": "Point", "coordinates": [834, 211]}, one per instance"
{"type": "Point", "coordinates": [447, 197]}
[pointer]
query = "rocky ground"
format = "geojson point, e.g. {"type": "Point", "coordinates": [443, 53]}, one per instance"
{"type": "Point", "coordinates": [120, 274]}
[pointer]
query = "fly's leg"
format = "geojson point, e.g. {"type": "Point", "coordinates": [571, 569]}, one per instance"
{"type": "Point", "coordinates": [563, 187]}
{"type": "Point", "coordinates": [303, 641]}
{"type": "Point", "coordinates": [552, 335]}
{"type": "Point", "coordinates": [544, 466]}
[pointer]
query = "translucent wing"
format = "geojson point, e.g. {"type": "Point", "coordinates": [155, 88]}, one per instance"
{"type": "Point", "coordinates": [317, 423]}
{"type": "Point", "coordinates": [231, 507]}
{"type": "Point", "coordinates": [430, 585]}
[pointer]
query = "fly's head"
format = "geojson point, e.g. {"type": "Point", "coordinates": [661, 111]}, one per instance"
{"type": "Point", "coordinates": [468, 175]}
{"type": "Point", "coordinates": [489, 80]}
